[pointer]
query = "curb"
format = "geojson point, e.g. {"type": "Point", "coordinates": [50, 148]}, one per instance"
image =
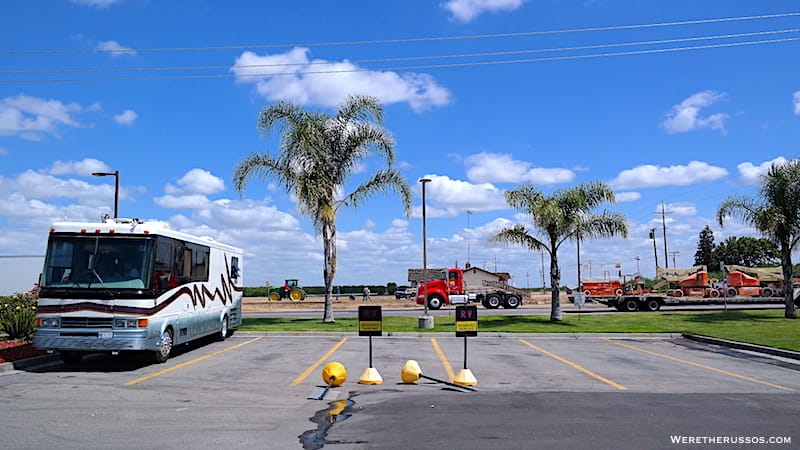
{"type": "Point", "coordinates": [27, 362]}
{"type": "Point", "coordinates": [744, 346]}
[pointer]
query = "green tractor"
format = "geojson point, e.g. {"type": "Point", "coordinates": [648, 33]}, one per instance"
{"type": "Point", "coordinates": [290, 290]}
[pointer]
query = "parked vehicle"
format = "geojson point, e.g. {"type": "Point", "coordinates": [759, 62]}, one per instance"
{"type": "Point", "coordinates": [124, 284]}
{"type": "Point", "coordinates": [450, 288]}
{"type": "Point", "coordinates": [404, 292]}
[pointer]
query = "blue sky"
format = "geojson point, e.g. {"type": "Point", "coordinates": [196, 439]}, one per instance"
{"type": "Point", "coordinates": [168, 94]}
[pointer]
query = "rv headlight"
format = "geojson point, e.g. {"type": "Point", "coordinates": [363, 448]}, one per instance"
{"type": "Point", "coordinates": [132, 323]}
{"type": "Point", "coordinates": [119, 323]}
{"type": "Point", "coordinates": [49, 322]}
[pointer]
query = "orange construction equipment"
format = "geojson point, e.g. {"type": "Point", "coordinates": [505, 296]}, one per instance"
{"type": "Point", "coordinates": [695, 285]}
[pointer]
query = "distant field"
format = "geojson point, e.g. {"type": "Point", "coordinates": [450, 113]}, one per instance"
{"type": "Point", "coordinates": [757, 327]}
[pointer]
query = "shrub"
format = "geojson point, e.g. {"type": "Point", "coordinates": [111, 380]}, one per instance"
{"type": "Point", "coordinates": [18, 316]}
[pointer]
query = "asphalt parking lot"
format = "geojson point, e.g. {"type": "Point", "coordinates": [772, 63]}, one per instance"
{"type": "Point", "coordinates": [251, 391]}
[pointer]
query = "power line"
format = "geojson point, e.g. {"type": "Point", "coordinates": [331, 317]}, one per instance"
{"type": "Point", "coordinates": [416, 67]}
{"type": "Point", "coordinates": [405, 40]}
{"type": "Point", "coordinates": [409, 58]}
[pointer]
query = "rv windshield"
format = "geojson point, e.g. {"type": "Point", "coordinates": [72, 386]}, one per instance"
{"type": "Point", "coordinates": [95, 262]}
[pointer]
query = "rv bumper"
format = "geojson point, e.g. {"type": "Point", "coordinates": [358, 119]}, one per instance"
{"type": "Point", "coordinates": [94, 340]}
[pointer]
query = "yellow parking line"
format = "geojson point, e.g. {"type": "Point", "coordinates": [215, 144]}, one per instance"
{"type": "Point", "coordinates": [450, 374]}
{"type": "Point", "coordinates": [575, 366]}
{"type": "Point", "coordinates": [702, 366]}
{"type": "Point", "coordinates": [308, 371]}
{"type": "Point", "coordinates": [176, 367]}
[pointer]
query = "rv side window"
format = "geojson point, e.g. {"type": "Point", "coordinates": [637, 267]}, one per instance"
{"type": "Point", "coordinates": [235, 267]}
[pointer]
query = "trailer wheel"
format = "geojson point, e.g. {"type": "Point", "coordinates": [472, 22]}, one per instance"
{"type": "Point", "coordinates": [512, 301]}
{"type": "Point", "coordinates": [162, 354]}
{"type": "Point", "coordinates": [652, 305]}
{"type": "Point", "coordinates": [71, 356]}
{"type": "Point", "coordinates": [630, 305]}
{"type": "Point", "coordinates": [435, 302]}
{"type": "Point", "coordinates": [493, 301]}
{"type": "Point", "coordinates": [767, 292]}
{"type": "Point", "coordinates": [731, 292]}
{"type": "Point", "coordinates": [714, 293]}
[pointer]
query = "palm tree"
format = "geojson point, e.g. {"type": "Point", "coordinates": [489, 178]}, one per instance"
{"type": "Point", "coordinates": [564, 215]}
{"type": "Point", "coordinates": [775, 213]}
{"type": "Point", "coordinates": [318, 154]}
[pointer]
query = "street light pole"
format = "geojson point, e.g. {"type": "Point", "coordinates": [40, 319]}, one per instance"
{"type": "Point", "coordinates": [116, 188]}
{"type": "Point", "coordinates": [425, 321]}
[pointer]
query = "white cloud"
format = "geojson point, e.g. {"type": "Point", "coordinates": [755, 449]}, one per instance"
{"type": "Point", "coordinates": [196, 181]}
{"type": "Point", "coordinates": [114, 48]}
{"type": "Point", "coordinates": [292, 76]}
{"type": "Point", "coordinates": [466, 10]}
{"type": "Point", "coordinates": [503, 168]}
{"type": "Point", "coordinates": [126, 117]}
{"type": "Point", "coordinates": [654, 176]}
{"type": "Point", "coordinates": [622, 197]}
{"type": "Point", "coordinates": [3, 151]}
{"type": "Point", "coordinates": [685, 116]}
{"type": "Point", "coordinates": [750, 174]}
{"type": "Point", "coordinates": [96, 3]}
{"type": "Point", "coordinates": [84, 167]}
{"type": "Point", "coordinates": [192, 201]}
{"type": "Point", "coordinates": [797, 103]}
{"type": "Point", "coordinates": [678, 209]}
{"type": "Point", "coordinates": [32, 117]}
{"type": "Point", "coordinates": [453, 197]}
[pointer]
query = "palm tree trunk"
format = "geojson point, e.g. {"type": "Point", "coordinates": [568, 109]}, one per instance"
{"type": "Point", "coordinates": [329, 271]}
{"type": "Point", "coordinates": [555, 281]}
{"type": "Point", "coordinates": [788, 289]}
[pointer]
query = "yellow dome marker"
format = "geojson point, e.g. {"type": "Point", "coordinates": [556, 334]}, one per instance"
{"type": "Point", "coordinates": [333, 374]}
{"type": "Point", "coordinates": [370, 376]}
{"type": "Point", "coordinates": [411, 372]}
{"type": "Point", "coordinates": [465, 378]}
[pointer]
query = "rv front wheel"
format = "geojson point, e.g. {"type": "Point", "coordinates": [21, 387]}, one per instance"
{"type": "Point", "coordinates": [223, 332]}
{"type": "Point", "coordinates": [162, 354]}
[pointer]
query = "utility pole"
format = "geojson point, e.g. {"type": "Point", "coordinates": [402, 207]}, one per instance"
{"type": "Point", "coordinates": [674, 254]}
{"type": "Point", "coordinates": [541, 253]}
{"type": "Point", "coordinates": [469, 240]}
{"type": "Point", "coordinates": [664, 228]}
{"type": "Point", "coordinates": [637, 266]}
{"type": "Point", "coordinates": [655, 252]}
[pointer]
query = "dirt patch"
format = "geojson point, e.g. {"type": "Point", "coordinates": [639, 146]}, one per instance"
{"type": "Point", "coordinates": [262, 304]}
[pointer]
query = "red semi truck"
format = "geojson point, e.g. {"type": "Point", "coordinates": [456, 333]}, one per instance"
{"type": "Point", "coordinates": [450, 288]}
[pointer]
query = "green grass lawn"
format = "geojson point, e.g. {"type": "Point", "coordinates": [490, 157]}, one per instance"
{"type": "Point", "coordinates": [757, 327]}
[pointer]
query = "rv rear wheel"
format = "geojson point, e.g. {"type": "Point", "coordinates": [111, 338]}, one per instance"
{"type": "Point", "coordinates": [493, 301]}
{"type": "Point", "coordinates": [162, 354]}
{"type": "Point", "coordinates": [512, 301]}
{"type": "Point", "coordinates": [767, 292]}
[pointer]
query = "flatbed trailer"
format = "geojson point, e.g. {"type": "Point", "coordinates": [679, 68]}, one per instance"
{"type": "Point", "coordinates": [654, 302]}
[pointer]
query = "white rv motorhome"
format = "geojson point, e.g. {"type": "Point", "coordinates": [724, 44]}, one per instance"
{"type": "Point", "coordinates": [123, 284]}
